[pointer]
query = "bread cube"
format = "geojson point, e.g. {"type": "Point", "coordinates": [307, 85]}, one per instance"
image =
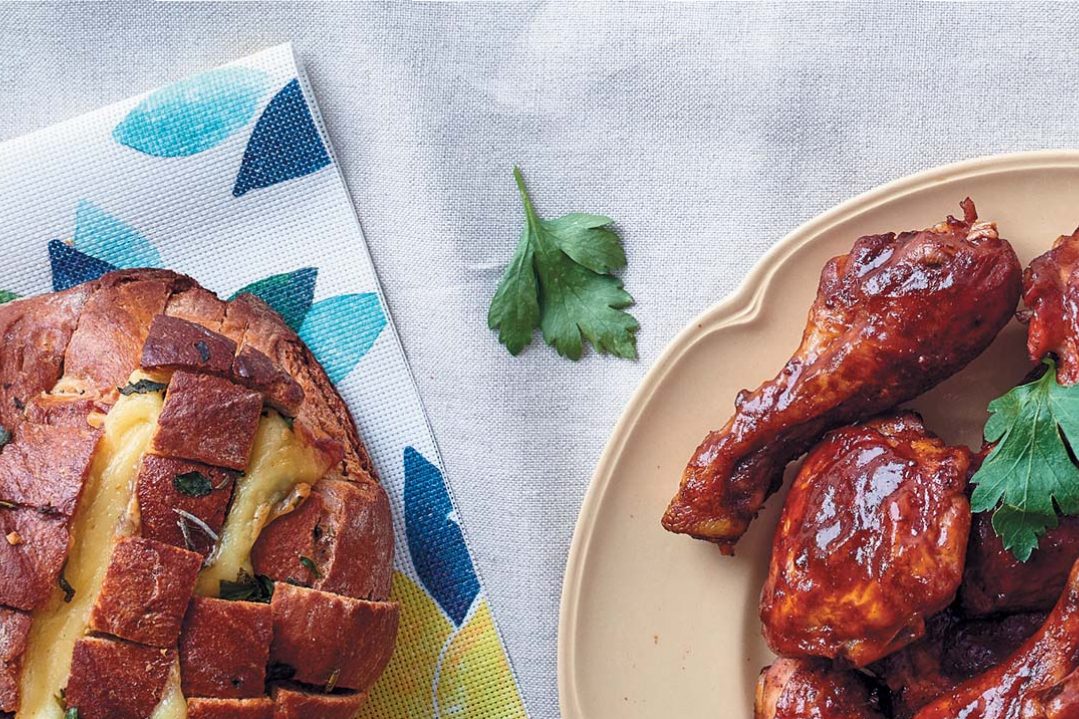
{"type": "Point", "coordinates": [115, 320]}
{"type": "Point", "coordinates": [224, 648]}
{"type": "Point", "coordinates": [344, 529]}
{"type": "Point", "coordinates": [145, 592]}
{"type": "Point", "coordinates": [166, 487]}
{"type": "Point", "coordinates": [44, 467]}
{"type": "Point", "coordinates": [114, 679]}
{"type": "Point", "coordinates": [331, 640]}
{"type": "Point", "coordinates": [33, 548]}
{"type": "Point", "coordinates": [173, 343]}
{"type": "Point", "coordinates": [256, 371]}
{"type": "Point", "coordinates": [208, 419]}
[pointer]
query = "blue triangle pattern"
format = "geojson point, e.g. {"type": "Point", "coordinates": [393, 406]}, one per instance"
{"type": "Point", "coordinates": [195, 114]}
{"type": "Point", "coordinates": [99, 234]}
{"type": "Point", "coordinates": [341, 329]}
{"type": "Point", "coordinates": [71, 267]}
{"type": "Point", "coordinates": [285, 143]}
{"type": "Point", "coordinates": [435, 541]}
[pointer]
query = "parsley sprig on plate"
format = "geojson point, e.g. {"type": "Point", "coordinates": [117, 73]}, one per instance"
{"type": "Point", "coordinates": [559, 280]}
{"type": "Point", "coordinates": [1030, 475]}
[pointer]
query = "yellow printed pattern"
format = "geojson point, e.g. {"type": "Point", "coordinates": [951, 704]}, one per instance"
{"type": "Point", "coordinates": [439, 672]}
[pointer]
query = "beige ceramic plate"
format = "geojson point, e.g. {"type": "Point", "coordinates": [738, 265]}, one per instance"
{"type": "Point", "coordinates": [657, 625]}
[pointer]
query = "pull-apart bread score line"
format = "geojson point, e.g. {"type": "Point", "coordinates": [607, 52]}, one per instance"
{"type": "Point", "coordinates": [166, 448]}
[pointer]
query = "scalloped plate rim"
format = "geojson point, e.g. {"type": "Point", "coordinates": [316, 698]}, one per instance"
{"type": "Point", "coordinates": [740, 307]}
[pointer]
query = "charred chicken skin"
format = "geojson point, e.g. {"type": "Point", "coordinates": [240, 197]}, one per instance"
{"type": "Point", "coordinates": [953, 650]}
{"type": "Point", "coordinates": [1034, 682]}
{"type": "Point", "coordinates": [893, 318]}
{"type": "Point", "coordinates": [870, 543]}
{"type": "Point", "coordinates": [808, 689]}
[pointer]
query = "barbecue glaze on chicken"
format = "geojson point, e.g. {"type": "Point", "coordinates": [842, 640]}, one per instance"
{"type": "Point", "coordinates": [893, 318]}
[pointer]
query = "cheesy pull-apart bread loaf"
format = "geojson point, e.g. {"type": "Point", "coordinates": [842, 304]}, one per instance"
{"type": "Point", "coordinates": [189, 523]}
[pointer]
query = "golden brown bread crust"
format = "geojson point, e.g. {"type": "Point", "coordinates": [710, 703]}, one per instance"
{"type": "Point", "coordinates": [44, 467]}
{"type": "Point", "coordinates": [258, 708]}
{"type": "Point", "coordinates": [114, 679]}
{"type": "Point", "coordinates": [34, 335]}
{"type": "Point", "coordinates": [224, 648]}
{"type": "Point", "coordinates": [63, 359]}
{"type": "Point", "coordinates": [293, 702]}
{"type": "Point", "coordinates": [64, 410]}
{"type": "Point", "coordinates": [331, 640]}
{"type": "Point", "coordinates": [145, 592]}
{"type": "Point", "coordinates": [197, 304]}
{"type": "Point", "coordinates": [345, 529]}
{"type": "Point", "coordinates": [33, 547]}
{"type": "Point", "coordinates": [107, 343]}
{"type": "Point", "coordinates": [14, 627]}
{"type": "Point", "coordinates": [91, 336]}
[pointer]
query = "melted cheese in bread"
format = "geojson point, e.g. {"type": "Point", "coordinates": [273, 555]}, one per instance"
{"type": "Point", "coordinates": [173, 705]}
{"type": "Point", "coordinates": [57, 625]}
{"type": "Point", "coordinates": [279, 474]}
{"type": "Point", "coordinates": [281, 471]}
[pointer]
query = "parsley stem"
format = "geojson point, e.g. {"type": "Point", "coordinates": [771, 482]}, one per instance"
{"type": "Point", "coordinates": [530, 212]}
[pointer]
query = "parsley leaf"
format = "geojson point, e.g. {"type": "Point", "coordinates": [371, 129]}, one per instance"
{"type": "Point", "coordinates": [559, 280]}
{"type": "Point", "coordinates": [65, 586]}
{"type": "Point", "coordinates": [192, 484]}
{"type": "Point", "coordinates": [1029, 475]}
{"type": "Point", "coordinates": [143, 386]}
{"type": "Point", "coordinates": [246, 588]}
{"type": "Point", "coordinates": [309, 565]}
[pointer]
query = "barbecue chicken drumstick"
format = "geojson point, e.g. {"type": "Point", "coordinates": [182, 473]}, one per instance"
{"type": "Point", "coordinates": [870, 543]}
{"type": "Point", "coordinates": [894, 317]}
{"type": "Point", "coordinates": [1036, 682]}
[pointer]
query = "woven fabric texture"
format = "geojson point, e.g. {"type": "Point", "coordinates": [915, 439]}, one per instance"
{"type": "Point", "coordinates": [706, 131]}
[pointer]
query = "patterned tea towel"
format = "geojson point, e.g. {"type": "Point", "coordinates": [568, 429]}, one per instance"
{"type": "Point", "coordinates": [228, 176]}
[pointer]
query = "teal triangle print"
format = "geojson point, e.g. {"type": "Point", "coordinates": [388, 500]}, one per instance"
{"type": "Point", "coordinates": [340, 330]}
{"type": "Point", "coordinates": [193, 115]}
{"type": "Point", "coordinates": [99, 234]}
{"type": "Point", "coordinates": [289, 294]}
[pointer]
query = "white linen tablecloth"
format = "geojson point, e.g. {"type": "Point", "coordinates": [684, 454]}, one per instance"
{"type": "Point", "coordinates": [706, 131]}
